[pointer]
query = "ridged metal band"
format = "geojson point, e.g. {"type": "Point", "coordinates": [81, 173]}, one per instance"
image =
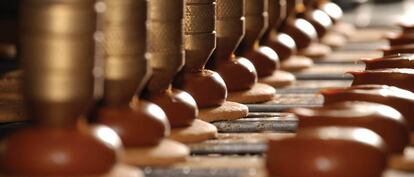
{"type": "Point", "coordinates": [56, 50]}
{"type": "Point", "coordinates": [199, 38]}
{"type": "Point", "coordinates": [199, 18]}
{"type": "Point", "coordinates": [230, 9]}
{"type": "Point", "coordinates": [165, 41]}
{"type": "Point", "coordinates": [276, 12]}
{"type": "Point", "coordinates": [124, 29]}
{"type": "Point", "coordinates": [57, 17]}
{"type": "Point", "coordinates": [230, 27]}
{"type": "Point", "coordinates": [256, 21]}
{"type": "Point", "coordinates": [162, 10]}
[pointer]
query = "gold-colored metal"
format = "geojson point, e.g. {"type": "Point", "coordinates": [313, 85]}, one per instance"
{"type": "Point", "coordinates": [57, 57]}
{"type": "Point", "coordinates": [165, 42]}
{"type": "Point", "coordinates": [276, 12]}
{"type": "Point", "coordinates": [125, 66]}
{"type": "Point", "coordinates": [61, 17]}
{"type": "Point", "coordinates": [230, 27]}
{"type": "Point", "coordinates": [200, 35]}
{"type": "Point", "coordinates": [256, 22]}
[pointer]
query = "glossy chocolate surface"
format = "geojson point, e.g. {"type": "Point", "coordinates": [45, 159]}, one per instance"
{"type": "Point", "coordinates": [399, 99]}
{"type": "Point", "coordinates": [392, 61]}
{"type": "Point", "coordinates": [301, 31]}
{"type": "Point", "coordinates": [206, 87]}
{"type": "Point", "coordinates": [409, 48]}
{"type": "Point", "coordinates": [402, 78]}
{"type": "Point", "coordinates": [327, 152]}
{"type": "Point", "coordinates": [332, 9]}
{"type": "Point", "coordinates": [320, 21]}
{"type": "Point", "coordinates": [54, 152]}
{"type": "Point", "coordinates": [264, 59]}
{"type": "Point", "coordinates": [179, 106]}
{"type": "Point", "coordinates": [282, 43]}
{"type": "Point", "coordinates": [383, 120]}
{"type": "Point", "coordinates": [139, 124]}
{"type": "Point", "coordinates": [400, 39]}
{"type": "Point", "coordinates": [246, 75]}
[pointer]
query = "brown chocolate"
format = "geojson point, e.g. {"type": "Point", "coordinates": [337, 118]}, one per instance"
{"type": "Point", "coordinates": [301, 31]}
{"type": "Point", "coordinates": [399, 99]}
{"type": "Point", "coordinates": [320, 20]}
{"type": "Point", "coordinates": [398, 49]}
{"type": "Point", "coordinates": [327, 152]}
{"type": "Point", "coordinates": [54, 152]}
{"type": "Point", "coordinates": [402, 78]}
{"type": "Point", "coordinates": [392, 61]}
{"type": "Point", "coordinates": [140, 124]}
{"type": "Point", "coordinates": [400, 39]}
{"type": "Point", "coordinates": [179, 106]}
{"type": "Point", "coordinates": [206, 87]}
{"type": "Point", "coordinates": [407, 27]}
{"type": "Point", "coordinates": [383, 120]}
{"type": "Point", "coordinates": [332, 9]}
{"type": "Point", "coordinates": [264, 59]}
{"type": "Point", "coordinates": [283, 44]}
{"type": "Point", "coordinates": [239, 74]}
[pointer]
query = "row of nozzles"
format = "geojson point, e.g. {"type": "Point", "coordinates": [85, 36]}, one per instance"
{"type": "Point", "coordinates": [61, 45]}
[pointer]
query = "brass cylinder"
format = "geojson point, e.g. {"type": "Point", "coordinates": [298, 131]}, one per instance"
{"type": "Point", "coordinates": [56, 50]}
{"type": "Point", "coordinates": [256, 22]}
{"type": "Point", "coordinates": [276, 12]}
{"type": "Point", "coordinates": [199, 32]}
{"type": "Point", "coordinates": [230, 27]}
{"type": "Point", "coordinates": [125, 66]}
{"type": "Point", "coordinates": [165, 42]}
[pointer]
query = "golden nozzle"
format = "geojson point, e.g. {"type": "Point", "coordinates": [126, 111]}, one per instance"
{"type": "Point", "coordinates": [230, 27]}
{"type": "Point", "coordinates": [165, 41]}
{"type": "Point", "coordinates": [124, 29]}
{"type": "Point", "coordinates": [276, 12]}
{"type": "Point", "coordinates": [199, 32]}
{"type": "Point", "coordinates": [256, 22]}
{"type": "Point", "coordinates": [57, 50]}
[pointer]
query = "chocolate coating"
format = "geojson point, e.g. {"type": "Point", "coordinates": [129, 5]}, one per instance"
{"type": "Point", "coordinates": [264, 59]}
{"type": "Point", "coordinates": [400, 39]}
{"type": "Point", "coordinates": [206, 87]}
{"type": "Point", "coordinates": [399, 99]}
{"type": "Point", "coordinates": [327, 152]}
{"type": "Point", "coordinates": [398, 49]}
{"type": "Point", "coordinates": [53, 152]}
{"type": "Point", "coordinates": [283, 44]}
{"type": "Point", "coordinates": [402, 78]}
{"type": "Point", "coordinates": [238, 74]}
{"type": "Point", "coordinates": [179, 106]}
{"type": "Point", "coordinates": [320, 21]}
{"type": "Point", "coordinates": [301, 31]}
{"type": "Point", "coordinates": [140, 124]}
{"type": "Point", "coordinates": [383, 120]}
{"type": "Point", "coordinates": [332, 9]}
{"type": "Point", "coordinates": [392, 61]}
